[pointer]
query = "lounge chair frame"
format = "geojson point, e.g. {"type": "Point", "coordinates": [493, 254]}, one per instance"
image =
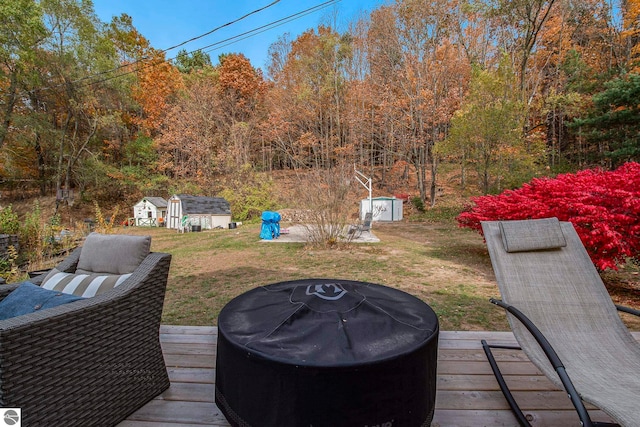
{"type": "Point", "coordinates": [555, 362]}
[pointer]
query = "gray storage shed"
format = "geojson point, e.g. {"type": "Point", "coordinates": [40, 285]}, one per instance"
{"type": "Point", "coordinates": [205, 212]}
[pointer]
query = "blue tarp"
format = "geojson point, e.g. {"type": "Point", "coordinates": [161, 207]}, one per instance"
{"type": "Point", "coordinates": [270, 225]}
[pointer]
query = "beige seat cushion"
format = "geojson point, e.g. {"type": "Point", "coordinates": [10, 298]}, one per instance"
{"type": "Point", "coordinates": [83, 285]}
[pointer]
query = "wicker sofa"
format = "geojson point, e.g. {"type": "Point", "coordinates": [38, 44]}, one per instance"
{"type": "Point", "coordinates": [89, 363]}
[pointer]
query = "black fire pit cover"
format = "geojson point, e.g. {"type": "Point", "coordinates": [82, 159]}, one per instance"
{"type": "Point", "coordinates": [325, 352]}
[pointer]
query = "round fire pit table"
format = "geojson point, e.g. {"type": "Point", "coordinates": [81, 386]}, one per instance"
{"type": "Point", "coordinates": [326, 353]}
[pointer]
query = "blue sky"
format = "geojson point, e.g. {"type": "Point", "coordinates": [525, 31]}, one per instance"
{"type": "Point", "coordinates": [166, 23]}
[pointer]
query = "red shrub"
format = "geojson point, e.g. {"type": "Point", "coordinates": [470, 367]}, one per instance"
{"type": "Point", "coordinates": [604, 208]}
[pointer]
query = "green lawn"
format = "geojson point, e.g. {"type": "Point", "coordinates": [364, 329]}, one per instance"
{"type": "Point", "coordinates": [447, 267]}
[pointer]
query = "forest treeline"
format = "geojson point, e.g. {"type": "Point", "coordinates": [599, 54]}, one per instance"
{"type": "Point", "coordinates": [504, 89]}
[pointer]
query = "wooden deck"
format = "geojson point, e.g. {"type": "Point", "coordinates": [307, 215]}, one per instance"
{"type": "Point", "coordinates": [467, 395]}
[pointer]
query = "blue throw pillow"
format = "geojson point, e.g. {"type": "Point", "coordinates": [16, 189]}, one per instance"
{"type": "Point", "coordinates": [29, 298]}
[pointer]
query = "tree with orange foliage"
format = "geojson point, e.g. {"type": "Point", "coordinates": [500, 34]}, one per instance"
{"type": "Point", "coordinates": [433, 77]}
{"type": "Point", "coordinates": [210, 128]}
{"type": "Point", "coordinates": [241, 90]}
{"type": "Point", "coordinates": [378, 114]}
{"type": "Point", "coordinates": [308, 99]}
{"type": "Point", "coordinates": [190, 140]}
{"type": "Point", "coordinates": [577, 46]}
{"type": "Point", "coordinates": [158, 83]}
{"type": "Point", "coordinates": [631, 33]}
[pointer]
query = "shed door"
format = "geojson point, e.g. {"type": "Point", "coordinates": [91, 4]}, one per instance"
{"type": "Point", "coordinates": [174, 213]}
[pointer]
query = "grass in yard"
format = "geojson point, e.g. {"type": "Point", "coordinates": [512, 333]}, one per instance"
{"type": "Point", "coordinates": [462, 307]}
{"type": "Point", "coordinates": [446, 266]}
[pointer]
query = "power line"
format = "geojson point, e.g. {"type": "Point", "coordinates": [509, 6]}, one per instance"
{"type": "Point", "coordinates": [221, 26]}
{"type": "Point", "coordinates": [170, 48]}
{"type": "Point", "coordinates": [267, 27]}
{"type": "Point", "coordinates": [213, 46]}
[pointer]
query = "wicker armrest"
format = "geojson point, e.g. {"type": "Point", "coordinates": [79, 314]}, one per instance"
{"type": "Point", "coordinates": [90, 362]}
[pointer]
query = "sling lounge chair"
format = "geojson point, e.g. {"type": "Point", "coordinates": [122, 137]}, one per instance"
{"type": "Point", "coordinates": [356, 231]}
{"type": "Point", "coordinates": [563, 318]}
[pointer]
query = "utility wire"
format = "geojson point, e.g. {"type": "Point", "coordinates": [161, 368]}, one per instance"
{"type": "Point", "coordinates": [221, 26]}
{"type": "Point", "coordinates": [265, 27]}
{"type": "Point", "coordinates": [212, 46]}
{"type": "Point", "coordinates": [169, 48]}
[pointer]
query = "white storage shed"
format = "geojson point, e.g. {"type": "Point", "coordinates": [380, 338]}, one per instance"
{"type": "Point", "coordinates": [150, 211]}
{"type": "Point", "coordinates": [384, 208]}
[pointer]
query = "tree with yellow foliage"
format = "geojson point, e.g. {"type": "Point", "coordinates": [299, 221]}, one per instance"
{"type": "Point", "coordinates": [631, 32]}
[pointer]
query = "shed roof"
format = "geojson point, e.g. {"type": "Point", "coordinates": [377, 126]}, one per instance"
{"type": "Point", "coordinates": [204, 205]}
{"type": "Point", "coordinates": [158, 202]}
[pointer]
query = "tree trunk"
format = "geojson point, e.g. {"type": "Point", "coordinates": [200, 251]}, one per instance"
{"type": "Point", "coordinates": [10, 104]}
{"type": "Point", "coordinates": [61, 153]}
{"type": "Point", "coordinates": [434, 171]}
{"type": "Point", "coordinates": [41, 165]}
{"type": "Point", "coordinates": [485, 176]}
{"type": "Point", "coordinates": [463, 170]}
{"type": "Point", "coordinates": [421, 171]}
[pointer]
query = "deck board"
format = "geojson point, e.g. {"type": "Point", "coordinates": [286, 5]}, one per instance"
{"type": "Point", "coordinates": [467, 395]}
